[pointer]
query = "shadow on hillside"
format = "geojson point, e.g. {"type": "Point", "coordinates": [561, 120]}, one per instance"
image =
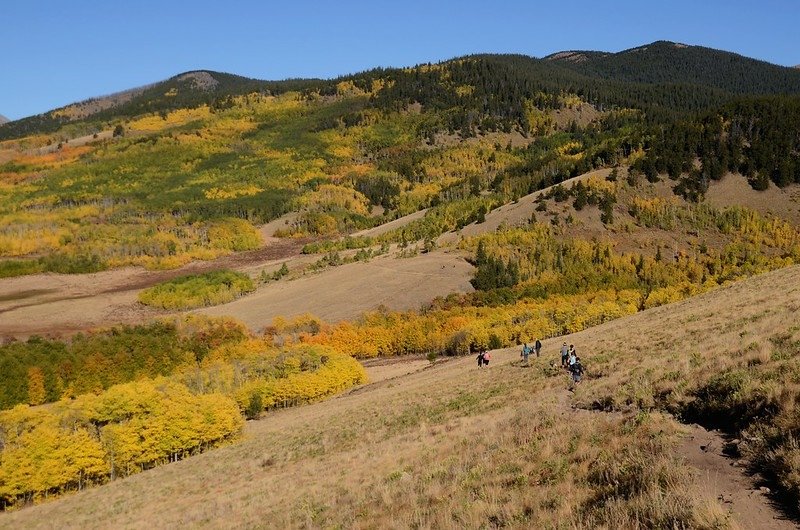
{"type": "Point", "coordinates": [731, 426]}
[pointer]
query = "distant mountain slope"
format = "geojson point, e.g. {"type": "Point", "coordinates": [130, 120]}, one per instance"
{"type": "Point", "coordinates": [487, 92]}
{"type": "Point", "coordinates": [3, 119]}
{"type": "Point", "coordinates": [90, 107]}
{"type": "Point", "coordinates": [188, 89]}
{"type": "Point", "coordinates": [671, 62]}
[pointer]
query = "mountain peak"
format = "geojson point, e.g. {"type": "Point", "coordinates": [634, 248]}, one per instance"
{"type": "Point", "coordinates": [659, 44]}
{"type": "Point", "coordinates": [667, 62]}
{"type": "Point", "coordinates": [201, 79]}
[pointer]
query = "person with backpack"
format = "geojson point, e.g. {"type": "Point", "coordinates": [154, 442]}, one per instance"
{"type": "Point", "coordinates": [486, 358]}
{"type": "Point", "coordinates": [564, 355]}
{"type": "Point", "coordinates": [526, 351]}
{"type": "Point", "coordinates": [537, 347]}
{"type": "Point", "coordinates": [576, 369]}
{"type": "Point", "coordinates": [573, 356]}
{"type": "Point", "coordinates": [480, 359]}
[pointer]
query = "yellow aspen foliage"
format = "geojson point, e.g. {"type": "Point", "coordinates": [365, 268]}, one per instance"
{"type": "Point", "coordinates": [232, 192]}
{"type": "Point", "coordinates": [463, 329]}
{"type": "Point", "coordinates": [131, 427]}
{"type": "Point", "coordinates": [335, 373]}
{"type": "Point", "coordinates": [177, 117]}
{"type": "Point", "coordinates": [234, 234]}
{"type": "Point", "coordinates": [331, 195]}
{"type": "Point", "coordinates": [141, 424]}
{"type": "Point", "coordinates": [36, 391]}
{"type": "Point", "coordinates": [40, 457]}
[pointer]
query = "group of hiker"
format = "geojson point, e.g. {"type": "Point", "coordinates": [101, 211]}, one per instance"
{"type": "Point", "coordinates": [569, 358]}
{"type": "Point", "coordinates": [527, 350]}
{"type": "Point", "coordinates": [483, 358]}
{"type": "Point", "coordinates": [571, 362]}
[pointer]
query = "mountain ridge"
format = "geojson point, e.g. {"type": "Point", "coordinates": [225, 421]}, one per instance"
{"type": "Point", "coordinates": [716, 73]}
{"type": "Point", "coordinates": [186, 89]}
{"type": "Point", "coordinates": [3, 119]}
{"type": "Point", "coordinates": [673, 62]}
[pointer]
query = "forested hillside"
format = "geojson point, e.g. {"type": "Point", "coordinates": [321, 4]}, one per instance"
{"type": "Point", "coordinates": [756, 137]}
{"type": "Point", "coordinates": [676, 64]}
{"type": "Point", "coordinates": [186, 90]}
{"type": "Point", "coordinates": [195, 162]}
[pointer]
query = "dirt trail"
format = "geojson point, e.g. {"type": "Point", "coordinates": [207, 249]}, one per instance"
{"type": "Point", "coordinates": [717, 475]}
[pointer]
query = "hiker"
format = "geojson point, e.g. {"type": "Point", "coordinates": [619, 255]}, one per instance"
{"type": "Point", "coordinates": [526, 351]}
{"type": "Point", "coordinates": [486, 358]}
{"type": "Point", "coordinates": [480, 359]}
{"type": "Point", "coordinates": [576, 369]}
{"type": "Point", "coordinates": [573, 356]}
{"type": "Point", "coordinates": [537, 347]}
{"type": "Point", "coordinates": [564, 355]}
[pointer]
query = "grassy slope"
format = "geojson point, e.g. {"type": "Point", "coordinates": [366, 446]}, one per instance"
{"type": "Point", "coordinates": [453, 447]}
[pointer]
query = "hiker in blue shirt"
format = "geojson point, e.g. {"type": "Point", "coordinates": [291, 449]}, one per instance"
{"type": "Point", "coordinates": [526, 351]}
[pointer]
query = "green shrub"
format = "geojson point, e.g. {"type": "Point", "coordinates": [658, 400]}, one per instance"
{"type": "Point", "coordinates": [254, 406]}
{"type": "Point", "coordinates": [188, 292]}
{"type": "Point", "coordinates": [19, 267]}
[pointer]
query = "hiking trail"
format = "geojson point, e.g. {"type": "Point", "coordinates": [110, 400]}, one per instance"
{"type": "Point", "coordinates": [717, 475]}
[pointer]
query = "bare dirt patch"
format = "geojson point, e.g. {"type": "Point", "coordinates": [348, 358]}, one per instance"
{"type": "Point", "coordinates": [346, 291]}
{"type": "Point", "coordinates": [391, 225]}
{"type": "Point", "coordinates": [734, 190]}
{"type": "Point", "coordinates": [61, 304]}
{"type": "Point", "coordinates": [582, 115]}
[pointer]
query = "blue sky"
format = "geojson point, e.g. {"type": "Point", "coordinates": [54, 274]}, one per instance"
{"type": "Point", "coordinates": [58, 52]}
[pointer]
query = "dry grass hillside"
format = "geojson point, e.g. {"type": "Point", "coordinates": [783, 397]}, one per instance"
{"type": "Point", "coordinates": [452, 446]}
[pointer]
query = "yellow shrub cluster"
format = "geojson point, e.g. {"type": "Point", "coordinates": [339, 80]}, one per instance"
{"type": "Point", "coordinates": [155, 122]}
{"type": "Point", "coordinates": [463, 329]}
{"type": "Point", "coordinates": [128, 428]}
{"type": "Point", "coordinates": [332, 196]}
{"type": "Point", "coordinates": [334, 373]}
{"type": "Point", "coordinates": [232, 192]}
